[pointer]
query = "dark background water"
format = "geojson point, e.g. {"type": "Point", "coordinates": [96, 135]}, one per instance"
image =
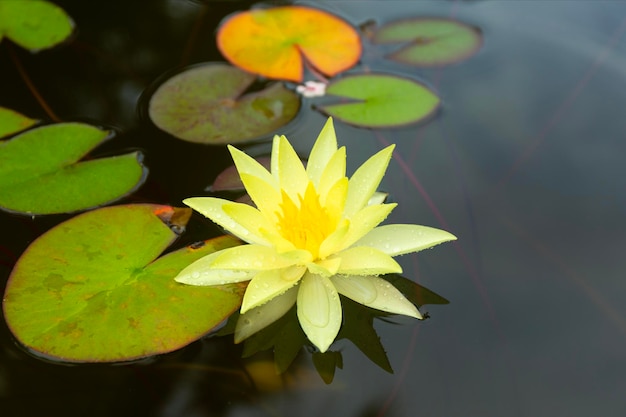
{"type": "Point", "coordinates": [524, 163]}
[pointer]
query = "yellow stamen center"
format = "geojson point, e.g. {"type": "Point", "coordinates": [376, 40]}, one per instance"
{"type": "Point", "coordinates": [305, 225]}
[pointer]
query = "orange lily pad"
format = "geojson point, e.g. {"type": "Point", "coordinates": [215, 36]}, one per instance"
{"type": "Point", "coordinates": [273, 42]}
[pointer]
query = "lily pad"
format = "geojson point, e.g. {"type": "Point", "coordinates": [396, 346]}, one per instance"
{"type": "Point", "coordinates": [273, 42]}
{"type": "Point", "coordinates": [380, 100]}
{"type": "Point", "coordinates": [431, 41]}
{"type": "Point", "coordinates": [207, 104]}
{"type": "Point", "coordinates": [40, 172]}
{"type": "Point", "coordinates": [34, 24]}
{"type": "Point", "coordinates": [92, 290]}
{"type": "Point", "coordinates": [12, 122]}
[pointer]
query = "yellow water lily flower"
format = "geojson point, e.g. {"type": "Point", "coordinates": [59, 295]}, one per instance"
{"type": "Point", "coordinates": [314, 234]}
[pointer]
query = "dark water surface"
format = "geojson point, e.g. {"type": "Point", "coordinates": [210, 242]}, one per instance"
{"type": "Point", "coordinates": [524, 164]}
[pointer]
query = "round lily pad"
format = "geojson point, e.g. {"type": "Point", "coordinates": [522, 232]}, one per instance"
{"type": "Point", "coordinates": [40, 172]}
{"type": "Point", "coordinates": [208, 104]}
{"type": "Point", "coordinates": [380, 100]}
{"type": "Point", "coordinates": [273, 41]}
{"type": "Point", "coordinates": [34, 24]}
{"type": "Point", "coordinates": [430, 41]}
{"type": "Point", "coordinates": [92, 289]}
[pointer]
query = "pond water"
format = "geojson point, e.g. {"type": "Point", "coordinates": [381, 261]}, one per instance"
{"type": "Point", "coordinates": [523, 163]}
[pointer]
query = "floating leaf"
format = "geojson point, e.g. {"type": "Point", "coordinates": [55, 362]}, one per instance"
{"type": "Point", "coordinates": [379, 100]}
{"type": "Point", "coordinates": [39, 172]}
{"type": "Point", "coordinates": [90, 289]}
{"type": "Point", "coordinates": [34, 24]}
{"type": "Point", "coordinates": [12, 122]}
{"type": "Point", "coordinates": [272, 42]}
{"type": "Point", "coordinates": [204, 104]}
{"type": "Point", "coordinates": [432, 41]}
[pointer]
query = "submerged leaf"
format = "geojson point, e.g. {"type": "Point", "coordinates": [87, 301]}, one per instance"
{"type": "Point", "coordinates": [40, 172]}
{"type": "Point", "coordinates": [34, 24]}
{"type": "Point", "coordinates": [431, 41]}
{"type": "Point", "coordinates": [12, 122]}
{"type": "Point", "coordinates": [91, 290]}
{"type": "Point", "coordinates": [380, 100]}
{"type": "Point", "coordinates": [272, 42]}
{"type": "Point", "coordinates": [208, 104]}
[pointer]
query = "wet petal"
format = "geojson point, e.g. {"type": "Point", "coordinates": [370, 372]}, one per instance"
{"type": "Point", "coordinates": [250, 166]}
{"type": "Point", "coordinates": [202, 273]}
{"type": "Point", "coordinates": [324, 148]}
{"type": "Point", "coordinates": [377, 198]}
{"type": "Point", "coordinates": [398, 239]}
{"type": "Point", "coordinates": [376, 293]}
{"type": "Point", "coordinates": [259, 258]}
{"type": "Point", "coordinates": [334, 171]}
{"type": "Point", "coordinates": [211, 207]}
{"type": "Point", "coordinates": [262, 316]}
{"type": "Point", "coordinates": [335, 199]}
{"type": "Point", "coordinates": [364, 221]}
{"type": "Point", "coordinates": [319, 310]}
{"type": "Point", "coordinates": [365, 181]}
{"type": "Point", "coordinates": [265, 197]}
{"type": "Point", "coordinates": [325, 267]}
{"type": "Point", "coordinates": [362, 260]}
{"type": "Point", "coordinates": [287, 168]}
{"type": "Point", "coordinates": [334, 242]}
{"type": "Point", "coordinates": [269, 284]}
{"type": "Point", "coordinates": [250, 218]}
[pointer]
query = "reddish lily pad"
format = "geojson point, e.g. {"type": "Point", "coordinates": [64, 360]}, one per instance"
{"type": "Point", "coordinates": [273, 42]}
{"type": "Point", "coordinates": [92, 289]}
{"type": "Point", "coordinates": [431, 41]}
{"type": "Point", "coordinates": [40, 172]}
{"type": "Point", "coordinates": [207, 104]}
{"type": "Point", "coordinates": [380, 100]}
{"type": "Point", "coordinates": [34, 24]}
{"type": "Point", "coordinates": [12, 122]}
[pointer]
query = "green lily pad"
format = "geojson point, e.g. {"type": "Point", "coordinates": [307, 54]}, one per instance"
{"type": "Point", "coordinates": [12, 122]}
{"type": "Point", "coordinates": [431, 41]}
{"type": "Point", "coordinates": [34, 24]}
{"type": "Point", "coordinates": [380, 100]}
{"type": "Point", "coordinates": [39, 172]}
{"type": "Point", "coordinates": [208, 104]}
{"type": "Point", "coordinates": [90, 289]}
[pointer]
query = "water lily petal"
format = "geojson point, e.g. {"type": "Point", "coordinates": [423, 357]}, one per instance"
{"type": "Point", "coordinates": [377, 198]}
{"type": "Point", "coordinates": [334, 242]}
{"type": "Point", "coordinates": [376, 293]}
{"type": "Point", "coordinates": [324, 148]}
{"type": "Point", "coordinates": [364, 221]}
{"type": "Point", "coordinates": [211, 207]}
{"type": "Point", "coordinates": [325, 267]}
{"type": "Point", "coordinates": [365, 181]}
{"type": "Point", "coordinates": [202, 273]}
{"type": "Point", "coordinates": [362, 260]}
{"type": "Point", "coordinates": [250, 166]}
{"type": "Point", "coordinates": [319, 310]}
{"type": "Point", "coordinates": [249, 218]}
{"type": "Point", "coordinates": [262, 316]}
{"type": "Point", "coordinates": [287, 168]}
{"type": "Point", "coordinates": [334, 200]}
{"type": "Point", "coordinates": [334, 171]}
{"type": "Point", "coordinates": [398, 239]}
{"type": "Point", "coordinates": [265, 196]}
{"type": "Point", "coordinates": [269, 284]}
{"type": "Point", "coordinates": [259, 258]}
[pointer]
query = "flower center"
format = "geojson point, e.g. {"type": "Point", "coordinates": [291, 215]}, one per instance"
{"type": "Point", "coordinates": [305, 225]}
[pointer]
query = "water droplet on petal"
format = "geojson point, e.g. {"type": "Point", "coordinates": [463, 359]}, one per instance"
{"type": "Point", "coordinates": [195, 275]}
